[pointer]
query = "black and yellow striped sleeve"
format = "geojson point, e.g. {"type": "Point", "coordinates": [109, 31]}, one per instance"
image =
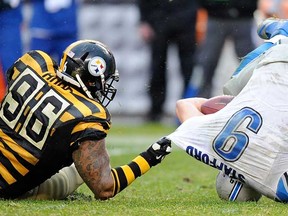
{"type": "Point", "coordinates": [125, 175]}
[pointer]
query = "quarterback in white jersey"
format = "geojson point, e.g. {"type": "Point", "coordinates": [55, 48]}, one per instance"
{"type": "Point", "coordinates": [247, 139]}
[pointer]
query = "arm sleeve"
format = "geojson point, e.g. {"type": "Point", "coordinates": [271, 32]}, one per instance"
{"type": "Point", "coordinates": [125, 175]}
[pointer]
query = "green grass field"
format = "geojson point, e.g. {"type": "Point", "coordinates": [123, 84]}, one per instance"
{"type": "Point", "coordinates": [180, 186]}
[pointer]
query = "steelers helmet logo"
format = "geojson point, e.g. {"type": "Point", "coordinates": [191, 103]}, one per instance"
{"type": "Point", "coordinates": [97, 66]}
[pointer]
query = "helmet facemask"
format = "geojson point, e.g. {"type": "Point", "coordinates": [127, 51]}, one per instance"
{"type": "Point", "coordinates": [103, 90]}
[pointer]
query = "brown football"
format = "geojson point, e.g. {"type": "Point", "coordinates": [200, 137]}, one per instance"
{"type": "Point", "coordinates": [215, 104]}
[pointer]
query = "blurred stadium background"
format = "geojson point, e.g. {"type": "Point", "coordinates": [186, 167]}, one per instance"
{"type": "Point", "coordinates": [115, 23]}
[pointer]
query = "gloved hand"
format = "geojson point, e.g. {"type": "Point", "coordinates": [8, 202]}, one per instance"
{"type": "Point", "coordinates": [157, 151]}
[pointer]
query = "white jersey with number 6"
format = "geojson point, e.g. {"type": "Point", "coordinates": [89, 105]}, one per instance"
{"type": "Point", "coordinates": [248, 139]}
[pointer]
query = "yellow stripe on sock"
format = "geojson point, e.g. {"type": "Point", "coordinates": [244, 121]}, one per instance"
{"type": "Point", "coordinates": [113, 181]}
{"type": "Point", "coordinates": [142, 163]}
{"type": "Point", "coordinates": [116, 181]}
{"type": "Point", "coordinates": [128, 173]}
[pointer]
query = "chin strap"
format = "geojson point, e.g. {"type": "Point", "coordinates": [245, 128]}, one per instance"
{"type": "Point", "coordinates": [67, 79]}
{"type": "Point", "coordinates": [88, 93]}
{"type": "Point", "coordinates": [79, 83]}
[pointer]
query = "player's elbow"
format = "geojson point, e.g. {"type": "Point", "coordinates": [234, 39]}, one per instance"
{"type": "Point", "coordinates": [104, 191]}
{"type": "Point", "coordinates": [180, 103]}
{"type": "Point", "coordinates": [103, 195]}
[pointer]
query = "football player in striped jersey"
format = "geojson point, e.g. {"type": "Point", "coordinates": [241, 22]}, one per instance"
{"type": "Point", "coordinates": [53, 124]}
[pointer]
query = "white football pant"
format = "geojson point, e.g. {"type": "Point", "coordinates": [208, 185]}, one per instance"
{"type": "Point", "coordinates": [59, 186]}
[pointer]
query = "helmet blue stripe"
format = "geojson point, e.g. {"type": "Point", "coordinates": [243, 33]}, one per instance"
{"type": "Point", "coordinates": [235, 191]}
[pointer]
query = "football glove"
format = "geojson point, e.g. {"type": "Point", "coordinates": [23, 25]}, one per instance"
{"type": "Point", "coordinates": [157, 151]}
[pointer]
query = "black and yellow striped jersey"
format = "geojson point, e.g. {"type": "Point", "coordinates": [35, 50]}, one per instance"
{"type": "Point", "coordinates": [42, 118]}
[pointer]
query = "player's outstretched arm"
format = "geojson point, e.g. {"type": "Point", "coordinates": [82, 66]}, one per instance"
{"type": "Point", "coordinates": [190, 107]}
{"type": "Point", "coordinates": [93, 164]}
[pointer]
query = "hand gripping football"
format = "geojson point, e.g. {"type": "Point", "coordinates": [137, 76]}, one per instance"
{"type": "Point", "coordinates": [215, 104]}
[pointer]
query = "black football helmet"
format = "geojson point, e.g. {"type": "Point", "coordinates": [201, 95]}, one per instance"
{"type": "Point", "coordinates": [90, 66]}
